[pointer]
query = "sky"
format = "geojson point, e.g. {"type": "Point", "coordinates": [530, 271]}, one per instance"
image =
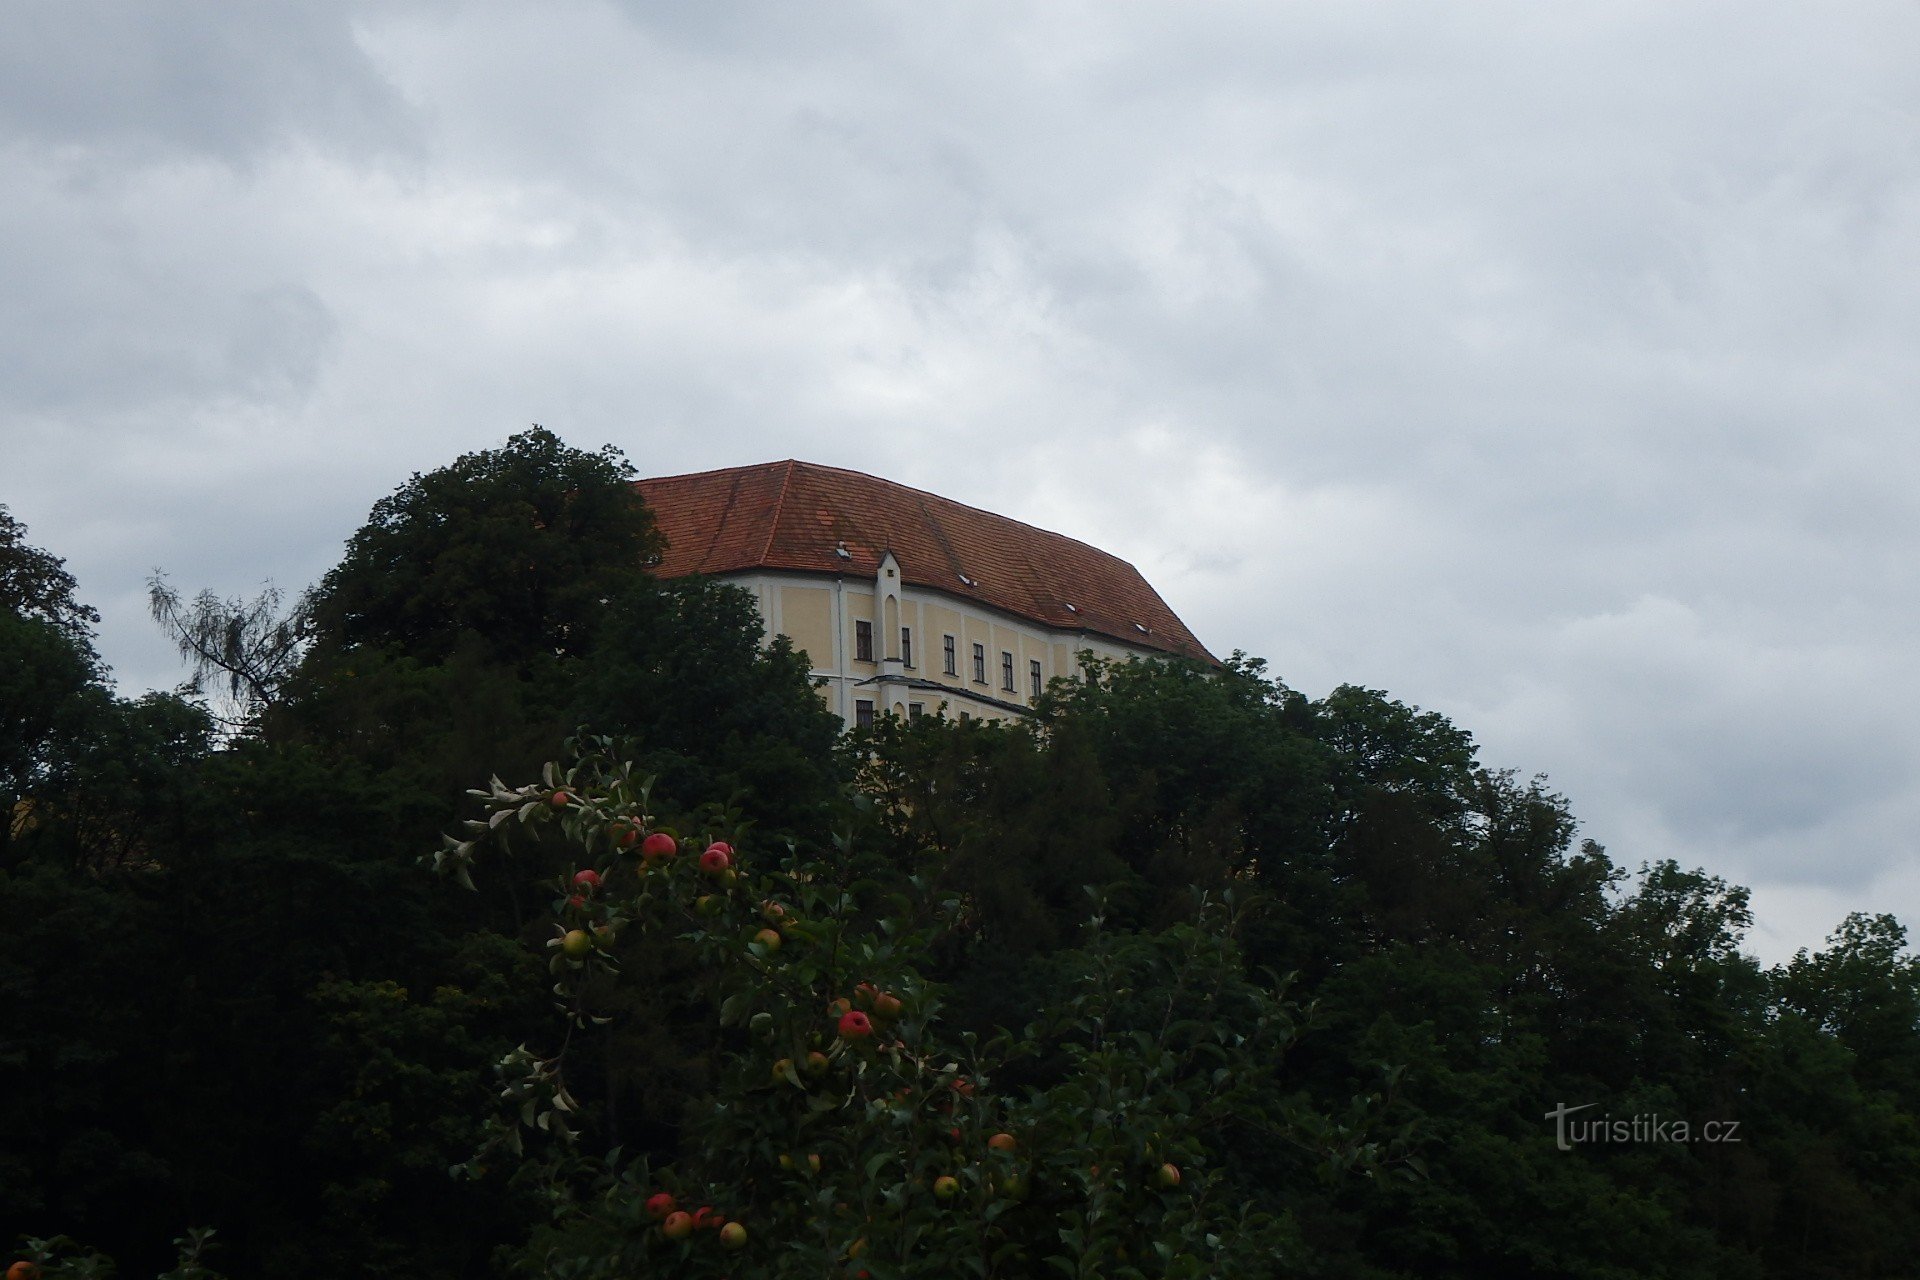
{"type": "Point", "coordinates": [1551, 367]}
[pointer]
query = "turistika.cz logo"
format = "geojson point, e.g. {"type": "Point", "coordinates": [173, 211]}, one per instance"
{"type": "Point", "coordinates": [1567, 1132]}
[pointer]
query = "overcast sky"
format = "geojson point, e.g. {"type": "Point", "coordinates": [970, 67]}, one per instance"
{"type": "Point", "coordinates": [1548, 366]}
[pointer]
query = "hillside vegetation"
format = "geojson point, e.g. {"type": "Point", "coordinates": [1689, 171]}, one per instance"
{"type": "Point", "coordinates": [1190, 975]}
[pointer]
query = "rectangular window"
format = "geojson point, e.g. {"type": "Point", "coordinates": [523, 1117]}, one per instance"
{"type": "Point", "coordinates": [915, 710]}
{"type": "Point", "coordinates": [1033, 671]}
{"type": "Point", "coordinates": [1006, 671]}
{"type": "Point", "coordinates": [863, 642]}
{"type": "Point", "coordinates": [906, 646]}
{"type": "Point", "coordinates": [952, 668]}
{"type": "Point", "coordinates": [979, 664]}
{"type": "Point", "coordinates": [863, 713]}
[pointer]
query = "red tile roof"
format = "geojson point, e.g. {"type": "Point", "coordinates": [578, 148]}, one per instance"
{"type": "Point", "coordinates": [793, 515]}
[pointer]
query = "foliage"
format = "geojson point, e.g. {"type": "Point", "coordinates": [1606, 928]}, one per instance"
{"type": "Point", "coordinates": [251, 647]}
{"type": "Point", "coordinates": [682, 670]}
{"type": "Point", "coordinates": [229, 994]}
{"type": "Point", "coordinates": [522, 545]}
{"type": "Point", "coordinates": [847, 1132]}
{"type": "Point", "coordinates": [35, 583]}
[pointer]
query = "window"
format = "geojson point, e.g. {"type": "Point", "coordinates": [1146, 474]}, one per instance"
{"type": "Point", "coordinates": [906, 646]}
{"type": "Point", "coordinates": [863, 713]}
{"type": "Point", "coordinates": [953, 668]}
{"type": "Point", "coordinates": [863, 642]}
{"type": "Point", "coordinates": [1006, 671]}
{"type": "Point", "coordinates": [979, 664]}
{"type": "Point", "coordinates": [1033, 672]}
{"type": "Point", "coordinates": [915, 710]}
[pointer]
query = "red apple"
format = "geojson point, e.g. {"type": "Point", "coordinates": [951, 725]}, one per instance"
{"type": "Point", "coordinates": [887, 1005]}
{"type": "Point", "coordinates": [1002, 1142]}
{"type": "Point", "coordinates": [715, 860]}
{"type": "Point", "coordinates": [1168, 1175]}
{"type": "Point", "coordinates": [659, 1204]}
{"type": "Point", "coordinates": [659, 845]}
{"type": "Point", "coordinates": [768, 939]}
{"type": "Point", "coordinates": [559, 799]}
{"type": "Point", "coordinates": [678, 1226]}
{"type": "Point", "coordinates": [624, 834]}
{"type": "Point", "coordinates": [588, 879]}
{"type": "Point", "coordinates": [855, 1026]}
{"type": "Point", "coordinates": [816, 1062]}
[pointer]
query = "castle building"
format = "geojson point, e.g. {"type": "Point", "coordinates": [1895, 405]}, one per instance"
{"type": "Point", "coordinates": [904, 601]}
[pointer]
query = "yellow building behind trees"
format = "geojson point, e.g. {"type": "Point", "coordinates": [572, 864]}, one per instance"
{"type": "Point", "coordinates": [903, 601]}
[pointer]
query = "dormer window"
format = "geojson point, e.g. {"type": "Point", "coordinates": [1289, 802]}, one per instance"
{"type": "Point", "coordinates": [968, 581]}
{"type": "Point", "coordinates": [1142, 630]}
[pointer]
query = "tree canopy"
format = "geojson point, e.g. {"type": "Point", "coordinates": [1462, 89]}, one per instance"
{"type": "Point", "coordinates": [233, 994]}
{"type": "Point", "coordinates": [522, 546]}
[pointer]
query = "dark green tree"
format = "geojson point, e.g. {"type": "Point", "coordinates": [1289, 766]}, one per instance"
{"type": "Point", "coordinates": [521, 547]}
{"type": "Point", "coordinates": [36, 584]}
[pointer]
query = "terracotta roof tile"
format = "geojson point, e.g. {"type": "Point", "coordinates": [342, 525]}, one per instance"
{"type": "Point", "coordinates": [793, 515]}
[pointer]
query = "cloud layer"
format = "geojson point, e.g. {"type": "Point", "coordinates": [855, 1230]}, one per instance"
{"type": "Point", "coordinates": [1547, 368]}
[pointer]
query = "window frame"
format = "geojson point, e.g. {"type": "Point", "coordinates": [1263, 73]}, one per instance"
{"type": "Point", "coordinates": [862, 640]}
{"type": "Point", "coordinates": [1036, 676]}
{"type": "Point", "coordinates": [863, 713]}
{"type": "Point", "coordinates": [906, 646]}
{"type": "Point", "coordinates": [953, 657]}
{"type": "Point", "coordinates": [979, 664]}
{"type": "Point", "coordinates": [1006, 672]}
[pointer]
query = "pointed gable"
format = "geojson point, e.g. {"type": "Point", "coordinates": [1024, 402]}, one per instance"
{"type": "Point", "coordinates": [800, 517]}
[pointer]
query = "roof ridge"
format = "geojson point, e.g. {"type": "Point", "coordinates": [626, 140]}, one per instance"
{"type": "Point", "coordinates": [1002, 563]}
{"type": "Point", "coordinates": [955, 502]}
{"type": "Point", "coordinates": [779, 507]}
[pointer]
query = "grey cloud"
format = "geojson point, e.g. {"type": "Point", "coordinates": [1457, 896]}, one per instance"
{"type": "Point", "coordinates": [131, 83]}
{"type": "Point", "coordinates": [1407, 345]}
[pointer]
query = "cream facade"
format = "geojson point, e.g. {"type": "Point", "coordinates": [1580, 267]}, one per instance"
{"type": "Point", "coordinates": [881, 647]}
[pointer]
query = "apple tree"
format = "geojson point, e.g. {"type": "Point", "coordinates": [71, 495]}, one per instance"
{"type": "Point", "coordinates": [846, 1133]}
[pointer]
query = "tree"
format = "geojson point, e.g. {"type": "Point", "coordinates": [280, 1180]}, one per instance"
{"type": "Point", "coordinates": [35, 584]}
{"type": "Point", "coordinates": [250, 646]}
{"type": "Point", "coordinates": [683, 670]}
{"type": "Point", "coordinates": [522, 546]}
{"type": "Point", "coordinates": [52, 691]}
{"type": "Point", "coordinates": [847, 1131]}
